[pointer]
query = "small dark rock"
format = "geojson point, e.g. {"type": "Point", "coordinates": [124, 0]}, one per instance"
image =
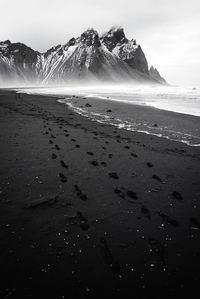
{"type": "Point", "coordinates": [113, 175]}
{"type": "Point", "coordinates": [88, 105]}
{"type": "Point", "coordinates": [149, 164]}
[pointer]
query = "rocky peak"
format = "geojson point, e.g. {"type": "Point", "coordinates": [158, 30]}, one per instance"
{"type": "Point", "coordinates": [5, 43]}
{"type": "Point", "coordinates": [154, 73]}
{"type": "Point", "coordinates": [127, 50]}
{"type": "Point", "coordinates": [4, 47]}
{"type": "Point", "coordinates": [113, 37]}
{"type": "Point", "coordinates": [90, 38]}
{"type": "Point", "coordinates": [71, 42]}
{"type": "Point", "coordinates": [117, 33]}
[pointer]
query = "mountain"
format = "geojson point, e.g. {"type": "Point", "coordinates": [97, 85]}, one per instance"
{"type": "Point", "coordinates": [154, 73]}
{"type": "Point", "coordinates": [109, 58]}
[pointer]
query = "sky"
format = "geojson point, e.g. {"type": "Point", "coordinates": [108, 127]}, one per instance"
{"type": "Point", "coordinates": [167, 30]}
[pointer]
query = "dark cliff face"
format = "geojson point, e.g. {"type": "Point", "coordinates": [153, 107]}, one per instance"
{"type": "Point", "coordinates": [138, 61]}
{"type": "Point", "coordinates": [111, 57]}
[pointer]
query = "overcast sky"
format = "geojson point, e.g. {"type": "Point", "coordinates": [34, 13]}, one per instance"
{"type": "Point", "coordinates": [167, 30]}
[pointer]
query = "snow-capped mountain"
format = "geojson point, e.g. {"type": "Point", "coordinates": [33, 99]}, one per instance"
{"type": "Point", "coordinates": [111, 57]}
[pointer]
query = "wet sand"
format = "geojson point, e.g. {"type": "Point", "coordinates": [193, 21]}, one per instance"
{"type": "Point", "coordinates": [88, 210]}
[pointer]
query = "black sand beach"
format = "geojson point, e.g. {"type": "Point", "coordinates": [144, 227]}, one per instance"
{"type": "Point", "coordinates": [88, 210]}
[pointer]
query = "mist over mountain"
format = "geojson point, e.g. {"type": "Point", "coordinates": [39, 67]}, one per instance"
{"type": "Point", "coordinates": [89, 58]}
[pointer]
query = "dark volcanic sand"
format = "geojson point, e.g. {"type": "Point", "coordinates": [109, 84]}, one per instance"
{"type": "Point", "coordinates": [88, 210]}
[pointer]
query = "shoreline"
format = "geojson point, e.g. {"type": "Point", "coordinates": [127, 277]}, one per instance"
{"type": "Point", "coordinates": [158, 100]}
{"type": "Point", "coordinates": [88, 209]}
{"type": "Point", "coordinates": [158, 122]}
{"type": "Point", "coordinates": [139, 108]}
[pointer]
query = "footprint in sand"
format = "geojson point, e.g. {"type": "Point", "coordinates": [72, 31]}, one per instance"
{"type": "Point", "coordinates": [119, 192]}
{"type": "Point", "coordinates": [53, 156]}
{"type": "Point", "coordinates": [156, 177]}
{"type": "Point", "coordinates": [63, 177]}
{"type": "Point", "coordinates": [168, 219]}
{"type": "Point", "coordinates": [146, 212]}
{"type": "Point", "coordinates": [57, 147]}
{"type": "Point", "coordinates": [149, 164]}
{"type": "Point", "coordinates": [90, 153]}
{"type": "Point", "coordinates": [132, 195]}
{"type": "Point", "coordinates": [63, 164]}
{"type": "Point", "coordinates": [109, 260]}
{"type": "Point", "coordinates": [94, 163]}
{"type": "Point", "coordinates": [177, 195]}
{"type": "Point", "coordinates": [83, 221]}
{"type": "Point", "coordinates": [80, 193]}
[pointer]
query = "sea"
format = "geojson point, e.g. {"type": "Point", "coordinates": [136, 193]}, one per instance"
{"type": "Point", "coordinates": [171, 112]}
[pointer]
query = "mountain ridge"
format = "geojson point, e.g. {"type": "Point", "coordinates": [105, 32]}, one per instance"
{"type": "Point", "coordinates": [111, 57]}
